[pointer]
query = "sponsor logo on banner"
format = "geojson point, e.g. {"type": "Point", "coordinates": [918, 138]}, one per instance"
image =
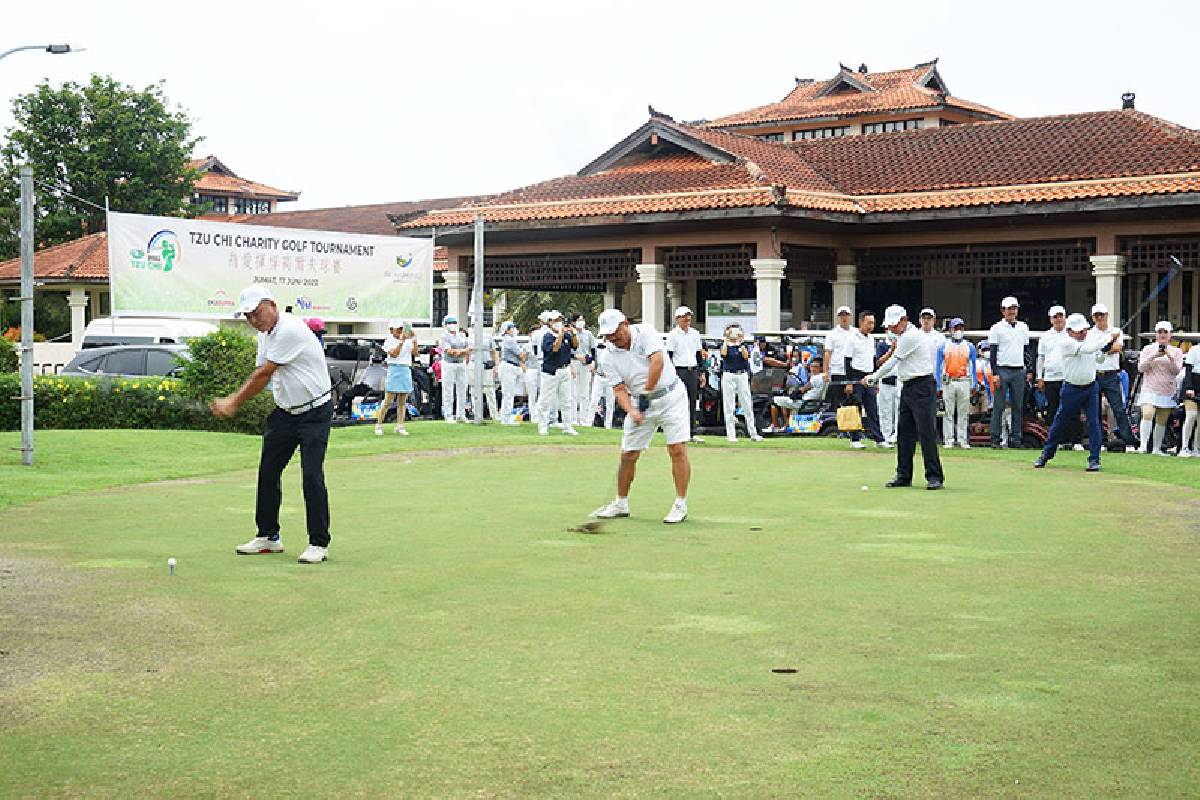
{"type": "Point", "coordinates": [162, 252]}
{"type": "Point", "coordinates": [305, 303]}
{"type": "Point", "coordinates": [351, 304]}
{"type": "Point", "coordinates": [220, 299]}
{"type": "Point", "coordinates": [402, 272]}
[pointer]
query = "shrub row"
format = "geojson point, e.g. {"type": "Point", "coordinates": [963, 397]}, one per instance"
{"type": "Point", "coordinates": [220, 362]}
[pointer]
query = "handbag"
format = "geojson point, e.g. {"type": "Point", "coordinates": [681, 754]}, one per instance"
{"type": "Point", "coordinates": [849, 419]}
{"type": "Point", "coordinates": [756, 361]}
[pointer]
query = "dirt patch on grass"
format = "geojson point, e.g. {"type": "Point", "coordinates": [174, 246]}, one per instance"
{"type": "Point", "coordinates": [62, 628]}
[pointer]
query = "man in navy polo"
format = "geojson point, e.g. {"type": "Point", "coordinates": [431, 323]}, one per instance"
{"type": "Point", "coordinates": [558, 345]}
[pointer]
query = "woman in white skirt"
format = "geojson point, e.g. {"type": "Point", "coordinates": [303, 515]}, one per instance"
{"type": "Point", "coordinates": [399, 347]}
{"type": "Point", "coordinates": [1159, 363]}
{"type": "Point", "coordinates": [1190, 394]}
{"type": "Point", "coordinates": [735, 383]}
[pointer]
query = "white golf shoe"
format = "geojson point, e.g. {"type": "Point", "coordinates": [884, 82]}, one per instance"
{"type": "Point", "coordinates": [260, 545]}
{"type": "Point", "coordinates": [400, 430]}
{"type": "Point", "coordinates": [313, 555]}
{"type": "Point", "coordinates": [379, 430]}
{"type": "Point", "coordinates": [569, 431]}
{"type": "Point", "coordinates": [612, 511]}
{"type": "Point", "coordinates": [678, 513]}
{"type": "Point", "coordinates": [756, 438]}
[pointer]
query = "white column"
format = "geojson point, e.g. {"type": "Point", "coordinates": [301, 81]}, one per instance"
{"type": "Point", "coordinates": [1108, 272]}
{"type": "Point", "coordinates": [652, 277]}
{"type": "Point", "coordinates": [458, 295]}
{"type": "Point", "coordinates": [844, 286]}
{"type": "Point", "coordinates": [674, 298]}
{"type": "Point", "coordinates": [612, 295]}
{"type": "Point", "coordinates": [768, 278]}
{"type": "Point", "coordinates": [499, 308]}
{"type": "Point", "coordinates": [78, 301]}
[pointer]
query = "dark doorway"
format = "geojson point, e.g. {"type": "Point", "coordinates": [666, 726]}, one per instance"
{"type": "Point", "coordinates": [878, 295]}
{"type": "Point", "coordinates": [1035, 294]}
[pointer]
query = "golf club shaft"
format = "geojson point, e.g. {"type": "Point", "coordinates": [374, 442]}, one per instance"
{"type": "Point", "coordinates": [1162, 284]}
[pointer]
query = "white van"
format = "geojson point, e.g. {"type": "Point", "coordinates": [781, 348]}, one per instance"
{"type": "Point", "coordinates": [143, 330]}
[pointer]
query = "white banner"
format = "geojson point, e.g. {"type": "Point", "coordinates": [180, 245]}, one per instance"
{"type": "Point", "coordinates": [168, 267]}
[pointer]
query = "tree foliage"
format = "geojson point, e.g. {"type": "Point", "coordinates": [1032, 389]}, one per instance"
{"type": "Point", "coordinates": [523, 307]}
{"type": "Point", "coordinates": [95, 140]}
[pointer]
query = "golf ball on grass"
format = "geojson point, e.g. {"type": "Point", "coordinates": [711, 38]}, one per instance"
{"type": "Point", "coordinates": [866, 488]}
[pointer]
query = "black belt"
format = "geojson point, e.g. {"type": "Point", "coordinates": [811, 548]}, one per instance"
{"type": "Point", "coordinates": [316, 402]}
{"type": "Point", "coordinates": [1102, 373]}
{"type": "Point", "coordinates": [734, 371]}
{"type": "Point", "coordinates": [917, 378]}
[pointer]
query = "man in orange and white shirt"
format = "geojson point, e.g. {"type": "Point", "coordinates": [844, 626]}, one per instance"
{"type": "Point", "coordinates": [959, 377]}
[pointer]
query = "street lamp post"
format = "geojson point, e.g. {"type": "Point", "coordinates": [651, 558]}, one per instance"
{"type": "Point", "coordinates": [27, 281]}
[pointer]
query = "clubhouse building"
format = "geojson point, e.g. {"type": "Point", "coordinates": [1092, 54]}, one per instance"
{"type": "Point", "coordinates": [863, 189]}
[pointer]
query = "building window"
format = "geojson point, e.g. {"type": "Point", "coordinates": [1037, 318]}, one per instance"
{"type": "Point", "coordinates": [248, 205]}
{"type": "Point", "coordinates": [214, 203]}
{"type": "Point", "coordinates": [942, 123]}
{"type": "Point", "coordinates": [771, 137]}
{"type": "Point", "coordinates": [821, 133]}
{"type": "Point", "coordinates": [441, 304]}
{"type": "Point", "coordinates": [894, 125]}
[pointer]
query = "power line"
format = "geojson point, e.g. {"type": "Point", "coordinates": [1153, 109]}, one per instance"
{"type": "Point", "coordinates": [55, 187]}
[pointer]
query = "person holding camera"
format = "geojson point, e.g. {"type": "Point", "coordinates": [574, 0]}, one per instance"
{"type": "Point", "coordinates": [558, 345]}
{"type": "Point", "coordinates": [512, 371]}
{"type": "Point", "coordinates": [399, 346]}
{"type": "Point", "coordinates": [735, 382]}
{"type": "Point", "coordinates": [455, 351]}
{"type": "Point", "coordinates": [653, 397]}
{"type": "Point", "coordinates": [1160, 364]}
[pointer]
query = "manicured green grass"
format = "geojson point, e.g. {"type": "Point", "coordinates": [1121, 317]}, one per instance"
{"type": "Point", "coordinates": [1020, 633]}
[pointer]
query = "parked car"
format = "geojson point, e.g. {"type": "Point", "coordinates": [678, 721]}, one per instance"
{"type": "Point", "coordinates": [128, 361]}
{"type": "Point", "coordinates": [111, 331]}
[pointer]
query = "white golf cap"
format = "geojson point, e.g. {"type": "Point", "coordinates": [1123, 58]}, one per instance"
{"type": "Point", "coordinates": [395, 322]}
{"type": "Point", "coordinates": [1077, 322]}
{"type": "Point", "coordinates": [553, 314]}
{"type": "Point", "coordinates": [250, 297]}
{"type": "Point", "coordinates": [609, 320]}
{"type": "Point", "coordinates": [507, 325]}
{"type": "Point", "coordinates": [927, 311]}
{"type": "Point", "coordinates": [844, 310]}
{"type": "Point", "coordinates": [1163, 325]}
{"type": "Point", "coordinates": [1099, 308]}
{"type": "Point", "coordinates": [893, 315]}
{"type": "Point", "coordinates": [682, 311]}
{"type": "Point", "coordinates": [1055, 311]}
{"type": "Point", "coordinates": [1009, 301]}
{"type": "Point", "coordinates": [544, 316]}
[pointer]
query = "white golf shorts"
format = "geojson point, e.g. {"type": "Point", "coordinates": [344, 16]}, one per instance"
{"type": "Point", "coordinates": [669, 413]}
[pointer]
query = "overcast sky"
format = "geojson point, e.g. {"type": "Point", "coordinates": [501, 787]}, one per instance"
{"type": "Point", "coordinates": [366, 102]}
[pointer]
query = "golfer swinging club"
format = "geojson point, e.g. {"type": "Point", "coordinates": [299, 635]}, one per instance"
{"type": "Point", "coordinates": [645, 385]}
{"type": "Point", "coordinates": [290, 359]}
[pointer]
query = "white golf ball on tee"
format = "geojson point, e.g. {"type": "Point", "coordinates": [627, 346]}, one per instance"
{"type": "Point", "coordinates": [866, 488]}
{"type": "Point", "coordinates": [170, 562]}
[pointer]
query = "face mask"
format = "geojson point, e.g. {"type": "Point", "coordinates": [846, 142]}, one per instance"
{"type": "Point", "coordinates": [957, 336]}
{"type": "Point", "coordinates": [580, 325]}
{"type": "Point", "coordinates": [891, 336]}
{"type": "Point", "coordinates": [452, 328]}
{"type": "Point", "coordinates": [556, 326]}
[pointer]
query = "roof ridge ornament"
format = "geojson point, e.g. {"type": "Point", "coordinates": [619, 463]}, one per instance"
{"type": "Point", "coordinates": [656, 114]}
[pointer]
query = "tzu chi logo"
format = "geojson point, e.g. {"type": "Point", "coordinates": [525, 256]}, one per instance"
{"type": "Point", "coordinates": [161, 253]}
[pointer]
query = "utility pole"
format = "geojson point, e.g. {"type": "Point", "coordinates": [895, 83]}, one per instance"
{"type": "Point", "coordinates": [478, 344]}
{"type": "Point", "coordinates": [26, 173]}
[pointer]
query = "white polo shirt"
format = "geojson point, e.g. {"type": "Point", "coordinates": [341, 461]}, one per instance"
{"type": "Point", "coordinates": [1010, 341]}
{"type": "Point", "coordinates": [632, 366]}
{"type": "Point", "coordinates": [405, 356]}
{"type": "Point", "coordinates": [862, 351]}
{"type": "Point", "coordinates": [302, 376]}
{"type": "Point", "coordinates": [683, 345]}
{"type": "Point", "coordinates": [912, 358]}
{"type": "Point", "coordinates": [1080, 359]}
{"type": "Point", "coordinates": [1111, 361]}
{"type": "Point", "coordinates": [1051, 355]}
{"type": "Point", "coordinates": [838, 347]}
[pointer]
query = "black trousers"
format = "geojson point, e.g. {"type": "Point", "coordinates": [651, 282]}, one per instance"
{"type": "Point", "coordinates": [1070, 431]}
{"type": "Point", "coordinates": [1110, 389]}
{"type": "Point", "coordinates": [918, 422]}
{"type": "Point", "coordinates": [867, 399]}
{"type": "Point", "coordinates": [284, 433]}
{"type": "Point", "coordinates": [691, 381]}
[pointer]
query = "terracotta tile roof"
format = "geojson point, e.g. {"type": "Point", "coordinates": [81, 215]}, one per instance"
{"type": "Point", "coordinates": [894, 91]}
{"type": "Point", "coordinates": [1077, 156]}
{"type": "Point", "coordinates": [216, 177]}
{"type": "Point", "coordinates": [353, 219]}
{"type": "Point", "coordinates": [84, 259]}
{"type": "Point", "coordinates": [1103, 144]}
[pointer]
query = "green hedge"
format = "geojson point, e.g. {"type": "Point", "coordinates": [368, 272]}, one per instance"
{"type": "Point", "coordinates": [8, 356]}
{"type": "Point", "coordinates": [220, 363]}
{"type": "Point", "coordinates": [61, 402]}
